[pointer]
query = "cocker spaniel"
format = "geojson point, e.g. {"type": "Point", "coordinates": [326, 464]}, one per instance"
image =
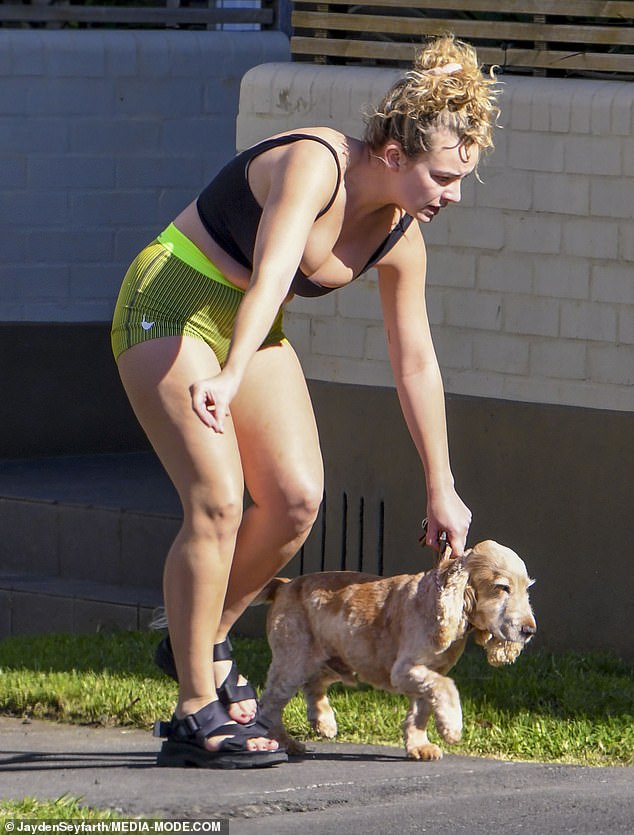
{"type": "Point", "coordinates": [401, 634]}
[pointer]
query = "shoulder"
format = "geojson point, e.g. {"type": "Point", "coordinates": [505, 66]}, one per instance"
{"type": "Point", "coordinates": [408, 253]}
{"type": "Point", "coordinates": [317, 143]}
{"type": "Point", "coordinates": [299, 171]}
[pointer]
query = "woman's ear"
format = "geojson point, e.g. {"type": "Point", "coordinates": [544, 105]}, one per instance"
{"type": "Point", "coordinates": [393, 155]}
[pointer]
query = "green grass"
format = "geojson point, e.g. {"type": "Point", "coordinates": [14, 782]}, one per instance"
{"type": "Point", "coordinates": [64, 808]}
{"type": "Point", "coordinates": [570, 708]}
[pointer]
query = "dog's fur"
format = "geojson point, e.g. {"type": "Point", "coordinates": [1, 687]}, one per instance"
{"type": "Point", "coordinates": [401, 634]}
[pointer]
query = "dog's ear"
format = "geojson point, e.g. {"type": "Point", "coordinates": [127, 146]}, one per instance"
{"type": "Point", "coordinates": [450, 579]}
{"type": "Point", "coordinates": [470, 599]}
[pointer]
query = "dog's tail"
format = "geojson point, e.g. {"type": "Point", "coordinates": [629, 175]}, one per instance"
{"type": "Point", "coordinates": [267, 595]}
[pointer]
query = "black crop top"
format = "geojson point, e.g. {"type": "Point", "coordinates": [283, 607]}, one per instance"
{"type": "Point", "coordinates": [231, 214]}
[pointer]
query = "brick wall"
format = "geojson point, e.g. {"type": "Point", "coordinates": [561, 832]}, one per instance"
{"type": "Point", "coordinates": [104, 136]}
{"type": "Point", "coordinates": [531, 278]}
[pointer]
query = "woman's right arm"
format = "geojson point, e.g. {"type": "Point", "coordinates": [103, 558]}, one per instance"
{"type": "Point", "coordinates": [301, 184]}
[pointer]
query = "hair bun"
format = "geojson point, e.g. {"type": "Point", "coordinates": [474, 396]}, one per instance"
{"type": "Point", "coordinates": [445, 89]}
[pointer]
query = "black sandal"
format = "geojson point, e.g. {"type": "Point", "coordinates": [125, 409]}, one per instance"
{"type": "Point", "coordinates": [185, 742]}
{"type": "Point", "coordinates": [229, 692]}
{"type": "Point", "coordinates": [164, 658]}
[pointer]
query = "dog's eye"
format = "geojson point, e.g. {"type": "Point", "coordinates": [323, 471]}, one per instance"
{"type": "Point", "coordinates": [503, 587]}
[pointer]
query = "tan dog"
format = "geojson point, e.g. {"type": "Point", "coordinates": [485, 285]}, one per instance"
{"type": "Point", "coordinates": [401, 634]}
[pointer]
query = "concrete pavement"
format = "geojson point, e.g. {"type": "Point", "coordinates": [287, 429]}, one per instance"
{"type": "Point", "coordinates": [338, 789]}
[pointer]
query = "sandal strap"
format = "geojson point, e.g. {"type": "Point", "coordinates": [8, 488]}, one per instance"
{"type": "Point", "coordinates": [164, 655]}
{"type": "Point", "coordinates": [261, 726]}
{"type": "Point", "coordinates": [230, 691]}
{"type": "Point", "coordinates": [223, 651]}
{"type": "Point", "coordinates": [210, 720]}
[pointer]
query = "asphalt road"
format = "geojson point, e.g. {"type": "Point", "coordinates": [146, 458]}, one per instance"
{"type": "Point", "coordinates": [338, 789]}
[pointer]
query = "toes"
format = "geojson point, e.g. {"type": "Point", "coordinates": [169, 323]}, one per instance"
{"type": "Point", "coordinates": [243, 711]}
{"type": "Point", "coordinates": [262, 744]}
{"type": "Point", "coordinates": [255, 744]}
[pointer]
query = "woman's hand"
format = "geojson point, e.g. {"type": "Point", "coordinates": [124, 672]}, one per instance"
{"type": "Point", "coordinates": [211, 399]}
{"type": "Point", "coordinates": [447, 512]}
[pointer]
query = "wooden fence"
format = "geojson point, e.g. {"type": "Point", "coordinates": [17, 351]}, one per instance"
{"type": "Point", "coordinates": [543, 37]}
{"type": "Point", "coordinates": [205, 14]}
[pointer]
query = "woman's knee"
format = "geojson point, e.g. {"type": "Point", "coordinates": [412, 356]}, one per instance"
{"type": "Point", "coordinates": [211, 518]}
{"type": "Point", "coordinates": [300, 504]}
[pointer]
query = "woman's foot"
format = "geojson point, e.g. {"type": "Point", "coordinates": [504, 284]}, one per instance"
{"type": "Point", "coordinates": [213, 742]}
{"type": "Point", "coordinates": [208, 738]}
{"type": "Point", "coordinates": [234, 691]}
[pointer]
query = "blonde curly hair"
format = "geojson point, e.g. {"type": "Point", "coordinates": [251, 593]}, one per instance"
{"type": "Point", "coordinates": [461, 99]}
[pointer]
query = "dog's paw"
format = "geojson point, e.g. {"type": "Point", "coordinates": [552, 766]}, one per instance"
{"type": "Point", "coordinates": [424, 753]}
{"type": "Point", "coordinates": [450, 735]}
{"type": "Point", "coordinates": [294, 747]}
{"type": "Point", "coordinates": [450, 727]}
{"type": "Point", "coordinates": [325, 726]}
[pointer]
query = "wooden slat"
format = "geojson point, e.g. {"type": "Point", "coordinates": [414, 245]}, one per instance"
{"type": "Point", "coordinates": [352, 49]}
{"type": "Point", "coordinates": [540, 43]}
{"type": "Point", "coordinates": [500, 30]}
{"type": "Point", "coordinates": [128, 14]}
{"type": "Point", "coordinates": [579, 61]}
{"type": "Point", "coordinates": [384, 50]}
{"type": "Point", "coordinates": [571, 8]}
{"type": "Point", "coordinates": [530, 59]}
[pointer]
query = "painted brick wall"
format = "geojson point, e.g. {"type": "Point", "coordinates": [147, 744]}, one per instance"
{"type": "Point", "coordinates": [530, 278]}
{"type": "Point", "coordinates": [104, 136]}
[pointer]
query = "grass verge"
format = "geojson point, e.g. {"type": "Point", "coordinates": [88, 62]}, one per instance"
{"type": "Point", "coordinates": [569, 708]}
{"type": "Point", "coordinates": [63, 808]}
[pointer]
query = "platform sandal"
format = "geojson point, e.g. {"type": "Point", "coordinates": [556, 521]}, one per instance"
{"type": "Point", "coordinates": [229, 692]}
{"type": "Point", "coordinates": [184, 744]}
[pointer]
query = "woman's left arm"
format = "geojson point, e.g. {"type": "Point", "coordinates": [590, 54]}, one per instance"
{"type": "Point", "coordinates": [419, 383]}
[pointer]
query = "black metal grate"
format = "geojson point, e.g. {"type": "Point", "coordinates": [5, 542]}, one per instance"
{"type": "Point", "coordinates": [357, 530]}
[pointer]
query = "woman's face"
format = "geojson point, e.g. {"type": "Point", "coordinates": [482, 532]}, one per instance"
{"type": "Point", "coordinates": [433, 180]}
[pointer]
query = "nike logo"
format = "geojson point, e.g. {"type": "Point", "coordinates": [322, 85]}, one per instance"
{"type": "Point", "coordinates": [145, 324]}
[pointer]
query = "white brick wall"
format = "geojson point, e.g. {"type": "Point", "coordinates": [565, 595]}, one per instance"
{"type": "Point", "coordinates": [104, 136]}
{"type": "Point", "coordinates": [531, 280]}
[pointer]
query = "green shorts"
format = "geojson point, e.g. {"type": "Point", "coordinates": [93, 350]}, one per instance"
{"type": "Point", "coordinates": [172, 289]}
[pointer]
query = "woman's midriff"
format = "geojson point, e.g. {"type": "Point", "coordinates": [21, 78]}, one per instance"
{"type": "Point", "coordinates": [191, 226]}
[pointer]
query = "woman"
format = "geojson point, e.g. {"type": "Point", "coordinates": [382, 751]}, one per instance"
{"type": "Point", "coordinates": [220, 393]}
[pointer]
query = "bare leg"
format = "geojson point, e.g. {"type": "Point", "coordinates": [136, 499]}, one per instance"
{"type": "Point", "coordinates": [282, 464]}
{"type": "Point", "coordinates": [281, 459]}
{"type": "Point", "coordinates": [275, 442]}
{"type": "Point", "coordinates": [205, 469]}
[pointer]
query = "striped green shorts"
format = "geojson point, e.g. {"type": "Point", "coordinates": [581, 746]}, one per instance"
{"type": "Point", "coordinates": [172, 289]}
